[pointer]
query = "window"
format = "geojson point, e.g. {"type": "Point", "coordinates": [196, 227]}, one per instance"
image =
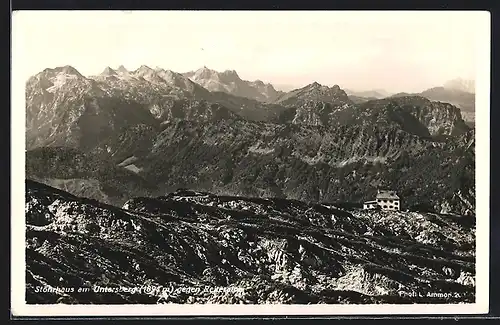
{"type": "Point", "coordinates": [385, 206]}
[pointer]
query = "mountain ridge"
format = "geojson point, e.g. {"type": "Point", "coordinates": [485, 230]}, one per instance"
{"type": "Point", "coordinates": [463, 100]}
{"type": "Point", "coordinates": [170, 125]}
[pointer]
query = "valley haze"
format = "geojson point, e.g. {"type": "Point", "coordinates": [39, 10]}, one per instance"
{"type": "Point", "coordinates": [229, 162]}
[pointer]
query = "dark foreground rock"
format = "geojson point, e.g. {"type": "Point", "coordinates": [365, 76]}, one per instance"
{"type": "Point", "coordinates": [192, 247]}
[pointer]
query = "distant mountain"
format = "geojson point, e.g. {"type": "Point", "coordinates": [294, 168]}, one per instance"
{"type": "Point", "coordinates": [229, 82]}
{"type": "Point", "coordinates": [359, 100]}
{"type": "Point", "coordinates": [284, 87]}
{"type": "Point", "coordinates": [404, 94]}
{"type": "Point", "coordinates": [463, 100]}
{"type": "Point", "coordinates": [376, 93]}
{"type": "Point", "coordinates": [461, 85]}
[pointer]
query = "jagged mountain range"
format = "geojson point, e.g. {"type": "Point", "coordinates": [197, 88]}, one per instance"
{"type": "Point", "coordinates": [162, 93]}
{"type": "Point", "coordinates": [146, 132]}
{"type": "Point", "coordinates": [195, 247]}
{"type": "Point", "coordinates": [229, 82]}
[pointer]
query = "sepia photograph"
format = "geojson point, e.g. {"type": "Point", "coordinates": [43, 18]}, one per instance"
{"type": "Point", "coordinates": [250, 162]}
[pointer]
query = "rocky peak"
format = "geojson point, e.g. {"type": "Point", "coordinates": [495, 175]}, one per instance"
{"type": "Point", "coordinates": [122, 69]}
{"type": "Point", "coordinates": [315, 92]}
{"type": "Point", "coordinates": [230, 82]}
{"type": "Point", "coordinates": [108, 72]}
{"type": "Point", "coordinates": [316, 86]}
{"type": "Point", "coordinates": [231, 74]}
{"type": "Point", "coordinates": [148, 74]}
{"type": "Point", "coordinates": [143, 69]}
{"type": "Point", "coordinates": [205, 73]}
{"type": "Point", "coordinates": [173, 78]}
{"type": "Point", "coordinates": [52, 79]}
{"type": "Point", "coordinates": [67, 69]}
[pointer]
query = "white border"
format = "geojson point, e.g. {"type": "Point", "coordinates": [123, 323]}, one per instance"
{"type": "Point", "coordinates": [20, 308]}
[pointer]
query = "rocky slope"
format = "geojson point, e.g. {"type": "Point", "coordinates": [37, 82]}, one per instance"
{"type": "Point", "coordinates": [229, 82]}
{"type": "Point", "coordinates": [308, 163]}
{"type": "Point", "coordinates": [248, 109]}
{"type": "Point", "coordinates": [414, 114]}
{"type": "Point", "coordinates": [191, 247]}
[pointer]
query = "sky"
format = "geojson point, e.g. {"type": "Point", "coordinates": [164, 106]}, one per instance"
{"type": "Point", "coordinates": [395, 51]}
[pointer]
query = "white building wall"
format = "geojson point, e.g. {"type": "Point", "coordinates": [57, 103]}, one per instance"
{"type": "Point", "coordinates": [386, 204]}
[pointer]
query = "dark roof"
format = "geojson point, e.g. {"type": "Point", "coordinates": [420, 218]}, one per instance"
{"type": "Point", "coordinates": [387, 195]}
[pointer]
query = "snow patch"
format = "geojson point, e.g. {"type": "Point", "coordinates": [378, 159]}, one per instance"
{"type": "Point", "coordinates": [134, 168]}
{"type": "Point", "coordinates": [128, 161]}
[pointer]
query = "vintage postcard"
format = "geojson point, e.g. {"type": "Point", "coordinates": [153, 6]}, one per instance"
{"type": "Point", "coordinates": [250, 162]}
